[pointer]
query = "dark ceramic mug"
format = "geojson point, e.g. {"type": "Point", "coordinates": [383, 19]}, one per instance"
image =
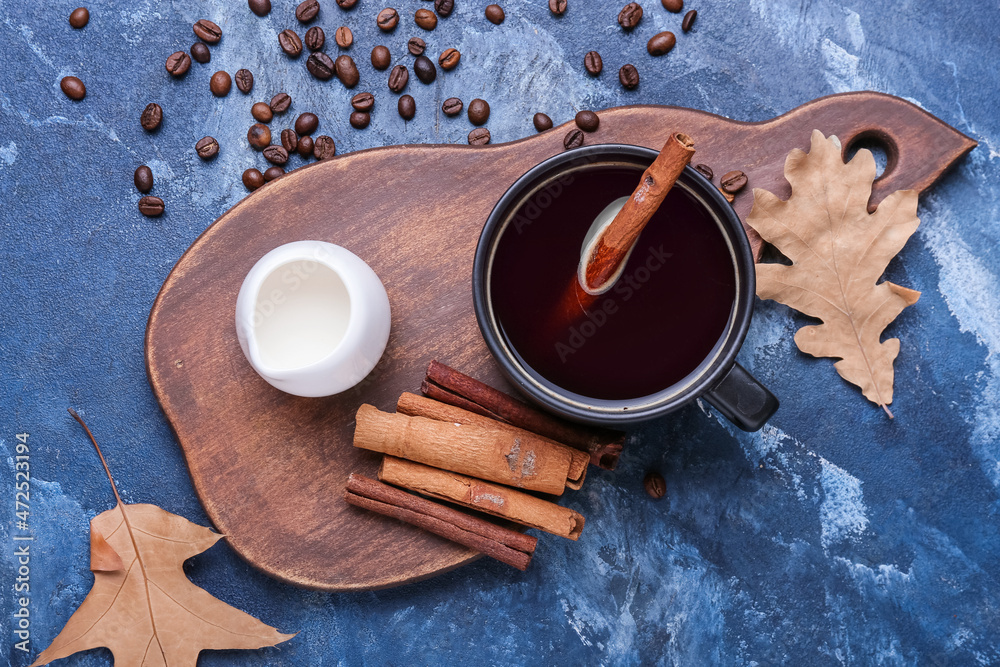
{"type": "Point", "coordinates": [717, 377]}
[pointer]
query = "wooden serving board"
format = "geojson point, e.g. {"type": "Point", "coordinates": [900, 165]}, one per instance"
{"type": "Point", "coordinates": [270, 468]}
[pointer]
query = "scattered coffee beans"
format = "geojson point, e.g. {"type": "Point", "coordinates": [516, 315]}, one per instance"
{"type": "Point", "coordinates": [557, 7]}
{"type": "Point", "coordinates": [452, 106]}
{"type": "Point", "coordinates": [426, 19]}
{"type": "Point", "coordinates": [629, 76]}
{"type": "Point", "coordinates": [178, 63]}
{"type": "Point", "coordinates": [347, 71]}
{"type": "Point", "coordinates": [261, 112]}
{"type": "Point", "coordinates": [276, 154]}
{"type": "Point", "coordinates": [542, 122]}
{"type": "Point", "coordinates": [315, 38]}
{"type": "Point", "coordinates": [290, 43]}
{"type": "Point", "coordinates": [220, 84]}
{"type": "Point", "coordinates": [305, 147]}
{"type": "Point", "coordinates": [253, 179]}
{"type": "Point", "coordinates": [307, 11]}
{"type": "Point", "coordinates": [151, 117]}
{"type": "Point", "coordinates": [661, 43]}
{"type": "Point", "coordinates": [324, 148]}
{"type": "Point", "coordinates": [479, 111]}
{"type": "Point", "coordinates": [398, 78]}
{"type": "Point", "coordinates": [425, 70]}
{"type": "Point", "coordinates": [407, 107]}
{"type": "Point", "coordinates": [479, 137]}
{"type": "Point", "coordinates": [444, 7]}
{"type": "Point", "coordinates": [495, 15]}
{"type": "Point", "coordinates": [207, 31]}
{"type": "Point", "coordinates": [73, 87]}
{"type": "Point", "coordinates": [674, 6]}
{"type": "Point", "coordinates": [630, 15]}
{"type": "Point", "coordinates": [306, 123]}
{"type": "Point", "coordinates": [363, 102]}
{"type": "Point", "coordinates": [655, 485]}
{"type": "Point", "coordinates": [448, 60]}
{"type": "Point", "coordinates": [346, 4]}
{"type": "Point", "coordinates": [260, 7]}
{"type": "Point", "coordinates": [290, 140]}
{"type": "Point", "coordinates": [705, 171]}
{"type": "Point", "coordinates": [207, 148]}
{"type": "Point", "coordinates": [259, 136]}
{"type": "Point", "coordinates": [733, 181]}
{"type": "Point", "coordinates": [416, 46]}
{"type": "Point", "coordinates": [244, 80]}
{"type": "Point", "coordinates": [321, 66]}
{"type": "Point", "coordinates": [280, 103]}
{"type": "Point", "coordinates": [272, 173]}
{"type": "Point", "coordinates": [573, 139]}
{"type": "Point", "coordinates": [387, 19]}
{"type": "Point", "coordinates": [688, 21]}
{"type": "Point", "coordinates": [381, 58]}
{"type": "Point", "coordinates": [359, 120]}
{"type": "Point", "coordinates": [344, 37]}
{"type": "Point", "coordinates": [588, 121]}
{"type": "Point", "coordinates": [593, 63]}
{"type": "Point", "coordinates": [151, 206]}
{"type": "Point", "coordinates": [79, 17]}
{"type": "Point", "coordinates": [143, 179]}
{"type": "Point", "coordinates": [200, 53]}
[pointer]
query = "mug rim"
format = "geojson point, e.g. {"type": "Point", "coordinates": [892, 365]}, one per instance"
{"type": "Point", "coordinates": [730, 342]}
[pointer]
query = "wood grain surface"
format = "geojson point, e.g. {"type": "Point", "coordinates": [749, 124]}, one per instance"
{"type": "Point", "coordinates": [270, 468]}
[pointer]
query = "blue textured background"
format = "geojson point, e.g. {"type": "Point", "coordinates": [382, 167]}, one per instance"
{"type": "Point", "coordinates": [834, 536]}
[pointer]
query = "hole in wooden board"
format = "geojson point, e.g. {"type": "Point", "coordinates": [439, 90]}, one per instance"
{"type": "Point", "coordinates": [882, 147]}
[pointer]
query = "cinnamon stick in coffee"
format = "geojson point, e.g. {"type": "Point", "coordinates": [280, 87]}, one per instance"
{"type": "Point", "coordinates": [448, 385]}
{"type": "Point", "coordinates": [503, 544]}
{"type": "Point", "coordinates": [492, 499]}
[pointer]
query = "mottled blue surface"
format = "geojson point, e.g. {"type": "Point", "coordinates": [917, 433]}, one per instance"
{"type": "Point", "coordinates": [834, 536]}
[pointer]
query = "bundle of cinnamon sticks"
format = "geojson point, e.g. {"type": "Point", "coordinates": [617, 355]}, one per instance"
{"type": "Point", "coordinates": [474, 446]}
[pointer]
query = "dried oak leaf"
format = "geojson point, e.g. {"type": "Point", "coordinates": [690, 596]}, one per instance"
{"type": "Point", "coordinates": [839, 252]}
{"type": "Point", "coordinates": [142, 606]}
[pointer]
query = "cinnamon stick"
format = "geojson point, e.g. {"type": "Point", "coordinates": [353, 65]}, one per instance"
{"type": "Point", "coordinates": [492, 499]}
{"type": "Point", "coordinates": [503, 544]}
{"type": "Point", "coordinates": [447, 385]}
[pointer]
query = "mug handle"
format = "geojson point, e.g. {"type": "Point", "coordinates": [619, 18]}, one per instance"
{"type": "Point", "coordinates": [742, 399]}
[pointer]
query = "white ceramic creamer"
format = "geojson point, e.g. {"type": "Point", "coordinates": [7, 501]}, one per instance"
{"type": "Point", "coordinates": [312, 318]}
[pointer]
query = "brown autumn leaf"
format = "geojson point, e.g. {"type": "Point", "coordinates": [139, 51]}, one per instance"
{"type": "Point", "coordinates": [839, 252]}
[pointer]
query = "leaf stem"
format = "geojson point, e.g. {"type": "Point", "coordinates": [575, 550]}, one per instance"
{"type": "Point", "coordinates": [103, 462]}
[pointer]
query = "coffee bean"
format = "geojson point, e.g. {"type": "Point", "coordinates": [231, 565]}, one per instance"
{"type": "Point", "coordinates": [272, 173]}
{"type": "Point", "coordinates": [688, 21]}
{"type": "Point", "coordinates": [629, 76]}
{"type": "Point", "coordinates": [407, 107]}
{"type": "Point", "coordinates": [387, 19]}
{"type": "Point", "coordinates": [363, 102]}
{"type": "Point", "coordinates": [588, 121]}
{"type": "Point", "coordinates": [381, 58]}
{"type": "Point", "coordinates": [452, 106]}
{"type": "Point", "coordinates": [253, 179]}
{"type": "Point", "coordinates": [444, 7]}
{"type": "Point", "coordinates": [305, 147]}
{"type": "Point", "coordinates": [347, 71]}
{"type": "Point", "coordinates": [244, 80]}
{"type": "Point", "coordinates": [593, 63]}
{"type": "Point", "coordinates": [321, 66]}
{"type": "Point", "coordinates": [398, 78]}
{"type": "Point", "coordinates": [655, 485]}
{"type": "Point", "coordinates": [426, 19]}
{"type": "Point", "coordinates": [178, 63]}
{"type": "Point", "coordinates": [416, 46]}
{"type": "Point", "coordinates": [200, 52]}
{"type": "Point", "coordinates": [306, 123]}
{"type": "Point", "coordinates": [220, 84]}
{"type": "Point", "coordinates": [207, 31]}
{"type": "Point", "coordinates": [143, 179]}
{"type": "Point", "coordinates": [290, 140]}
{"type": "Point", "coordinates": [315, 38]}
{"type": "Point", "coordinates": [674, 6]}
{"type": "Point", "coordinates": [542, 122]}
{"type": "Point", "coordinates": [425, 70]}
{"type": "Point", "coordinates": [280, 103]}
{"type": "Point", "coordinates": [661, 43]}
{"type": "Point", "coordinates": [276, 154]}
{"type": "Point", "coordinates": [359, 120]}
{"type": "Point", "coordinates": [630, 15]}
{"type": "Point", "coordinates": [73, 87]}
{"type": "Point", "coordinates": [324, 148]}
{"type": "Point", "coordinates": [494, 14]}
{"type": "Point", "coordinates": [346, 4]}
{"type": "Point", "coordinates": [260, 7]}
{"type": "Point", "coordinates": [448, 60]}
{"type": "Point", "coordinates": [151, 206]}
{"type": "Point", "coordinates": [733, 181]}
{"type": "Point", "coordinates": [259, 136]}
{"type": "Point", "coordinates": [290, 43]}
{"type": "Point", "coordinates": [479, 137]}
{"type": "Point", "coordinates": [344, 37]}
{"type": "Point", "coordinates": [573, 139]}
{"type": "Point", "coordinates": [557, 7]}
{"type": "Point", "coordinates": [307, 11]}
{"type": "Point", "coordinates": [79, 17]}
{"type": "Point", "coordinates": [705, 171]}
{"type": "Point", "coordinates": [151, 117]}
{"type": "Point", "coordinates": [479, 111]}
{"type": "Point", "coordinates": [262, 112]}
{"type": "Point", "coordinates": [207, 148]}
